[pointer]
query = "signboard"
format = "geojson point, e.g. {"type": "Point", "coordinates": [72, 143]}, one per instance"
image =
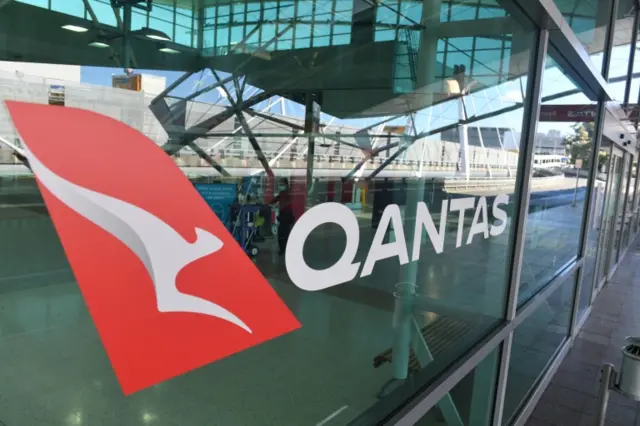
{"type": "Point", "coordinates": [127, 82]}
{"type": "Point", "coordinates": [398, 130]}
{"type": "Point", "coordinates": [220, 197]}
{"type": "Point", "coordinates": [56, 95]}
{"type": "Point", "coordinates": [168, 288]}
{"type": "Point", "coordinates": [579, 163]}
{"type": "Point", "coordinates": [345, 269]}
{"type": "Point", "coordinates": [577, 113]}
{"type": "Point", "coordinates": [572, 113]}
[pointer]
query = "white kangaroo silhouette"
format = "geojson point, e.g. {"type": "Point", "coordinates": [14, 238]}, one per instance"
{"type": "Point", "coordinates": [161, 249]}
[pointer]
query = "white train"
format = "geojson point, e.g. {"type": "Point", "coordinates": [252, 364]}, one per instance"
{"type": "Point", "coordinates": [549, 161]}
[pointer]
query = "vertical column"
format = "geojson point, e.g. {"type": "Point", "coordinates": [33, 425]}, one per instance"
{"type": "Point", "coordinates": [387, 154]}
{"type": "Point", "coordinates": [588, 211]}
{"type": "Point", "coordinates": [311, 128]}
{"type": "Point", "coordinates": [200, 18]}
{"type": "Point", "coordinates": [610, 12]}
{"type": "Point", "coordinates": [463, 136]}
{"type": "Point", "coordinates": [363, 22]}
{"type": "Point", "coordinates": [126, 42]}
{"type": "Point", "coordinates": [535, 69]}
{"type": "Point", "coordinates": [407, 288]}
{"type": "Point", "coordinates": [633, 46]}
{"type": "Point", "coordinates": [426, 72]}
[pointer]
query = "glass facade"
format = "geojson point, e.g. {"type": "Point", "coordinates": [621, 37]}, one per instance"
{"type": "Point", "coordinates": [589, 22]}
{"type": "Point", "coordinates": [593, 230]}
{"type": "Point", "coordinates": [535, 342]}
{"type": "Point", "coordinates": [480, 188]}
{"type": "Point", "coordinates": [472, 396]}
{"type": "Point", "coordinates": [554, 222]}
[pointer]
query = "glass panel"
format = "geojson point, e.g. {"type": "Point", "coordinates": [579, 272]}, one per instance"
{"type": "Point", "coordinates": [461, 12]}
{"type": "Point", "coordinates": [593, 230]}
{"type": "Point", "coordinates": [634, 91]}
{"type": "Point", "coordinates": [562, 159]}
{"type": "Point", "coordinates": [628, 208]}
{"type": "Point", "coordinates": [138, 20]}
{"type": "Point", "coordinates": [330, 23]}
{"type": "Point", "coordinates": [104, 12]}
{"type": "Point", "coordinates": [470, 402]}
{"type": "Point", "coordinates": [184, 26]}
{"type": "Point", "coordinates": [535, 343]}
{"type": "Point", "coordinates": [636, 203]}
{"type": "Point", "coordinates": [39, 3]}
{"type": "Point", "coordinates": [302, 37]}
{"type": "Point", "coordinates": [70, 7]}
{"type": "Point", "coordinates": [619, 221]}
{"type": "Point", "coordinates": [161, 18]}
{"type": "Point", "coordinates": [621, 51]}
{"type": "Point", "coordinates": [425, 179]}
{"type": "Point", "coordinates": [589, 21]}
{"type": "Point", "coordinates": [611, 202]}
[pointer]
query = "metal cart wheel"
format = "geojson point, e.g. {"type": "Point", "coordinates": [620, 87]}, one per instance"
{"type": "Point", "coordinates": [253, 251]}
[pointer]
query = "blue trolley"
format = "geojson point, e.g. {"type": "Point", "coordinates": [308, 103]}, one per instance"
{"type": "Point", "coordinates": [244, 226]}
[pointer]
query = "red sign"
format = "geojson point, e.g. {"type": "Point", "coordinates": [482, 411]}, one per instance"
{"type": "Point", "coordinates": [167, 286]}
{"type": "Point", "coordinates": [573, 113]}
{"type": "Point", "coordinates": [577, 113]}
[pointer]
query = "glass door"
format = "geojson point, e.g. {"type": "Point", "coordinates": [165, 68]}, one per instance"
{"type": "Point", "coordinates": [627, 229]}
{"type": "Point", "coordinates": [609, 216]}
{"type": "Point", "coordinates": [620, 204]}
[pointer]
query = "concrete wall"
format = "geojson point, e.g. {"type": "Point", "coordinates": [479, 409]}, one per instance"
{"type": "Point", "coordinates": [67, 73]}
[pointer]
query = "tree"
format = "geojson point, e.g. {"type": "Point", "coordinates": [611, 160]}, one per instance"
{"type": "Point", "coordinates": [580, 142]}
{"type": "Point", "coordinates": [603, 159]}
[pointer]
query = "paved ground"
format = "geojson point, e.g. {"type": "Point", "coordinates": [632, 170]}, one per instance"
{"type": "Point", "coordinates": [571, 398]}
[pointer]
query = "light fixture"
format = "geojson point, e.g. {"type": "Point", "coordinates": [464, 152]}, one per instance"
{"type": "Point", "coordinates": [75, 28]}
{"type": "Point", "coordinates": [165, 49]}
{"type": "Point", "coordinates": [100, 43]}
{"type": "Point", "coordinates": [152, 34]}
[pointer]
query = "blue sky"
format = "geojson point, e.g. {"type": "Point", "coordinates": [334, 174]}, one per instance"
{"type": "Point", "coordinates": [102, 76]}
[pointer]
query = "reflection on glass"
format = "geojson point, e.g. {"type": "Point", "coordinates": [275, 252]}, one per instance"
{"type": "Point", "coordinates": [413, 130]}
{"type": "Point", "coordinates": [593, 230]}
{"type": "Point", "coordinates": [623, 32]}
{"type": "Point", "coordinates": [589, 21]}
{"type": "Point", "coordinates": [561, 164]}
{"type": "Point", "coordinates": [619, 215]}
{"type": "Point", "coordinates": [636, 202]}
{"type": "Point", "coordinates": [470, 402]}
{"type": "Point", "coordinates": [628, 207]}
{"type": "Point", "coordinates": [535, 341]}
{"type": "Point", "coordinates": [634, 90]}
{"type": "Point", "coordinates": [609, 217]}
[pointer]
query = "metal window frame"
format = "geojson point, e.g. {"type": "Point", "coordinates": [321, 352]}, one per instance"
{"type": "Point", "coordinates": [546, 15]}
{"type": "Point", "coordinates": [432, 394]}
{"type": "Point", "coordinates": [553, 30]}
{"type": "Point", "coordinates": [523, 186]}
{"type": "Point", "coordinates": [632, 55]}
{"type": "Point", "coordinates": [421, 404]}
{"type": "Point", "coordinates": [608, 50]}
{"type": "Point", "coordinates": [593, 173]}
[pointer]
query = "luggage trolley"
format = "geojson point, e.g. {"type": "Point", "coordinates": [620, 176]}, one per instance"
{"type": "Point", "coordinates": [245, 226]}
